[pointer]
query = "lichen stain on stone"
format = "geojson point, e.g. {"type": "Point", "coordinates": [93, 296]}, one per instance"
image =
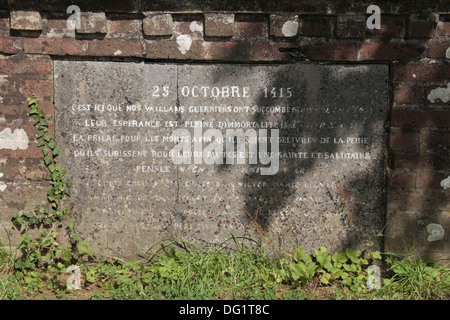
{"type": "Point", "coordinates": [445, 184]}
{"type": "Point", "coordinates": [290, 28]}
{"type": "Point", "coordinates": [13, 140]}
{"type": "Point", "coordinates": [184, 43]}
{"type": "Point", "coordinates": [436, 232]}
{"type": "Point", "coordinates": [440, 93]}
{"type": "Point", "coordinates": [196, 26]}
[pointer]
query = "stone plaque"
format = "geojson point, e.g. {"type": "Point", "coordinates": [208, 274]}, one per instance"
{"type": "Point", "coordinates": [291, 153]}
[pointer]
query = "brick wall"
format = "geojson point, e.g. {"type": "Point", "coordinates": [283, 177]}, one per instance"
{"type": "Point", "coordinates": [414, 39]}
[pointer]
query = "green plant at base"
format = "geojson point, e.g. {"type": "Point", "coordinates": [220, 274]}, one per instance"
{"type": "Point", "coordinates": [415, 277]}
{"type": "Point", "coordinates": [43, 249]}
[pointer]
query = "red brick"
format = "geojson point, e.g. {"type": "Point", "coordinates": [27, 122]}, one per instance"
{"type": "Point", "coordinates": [422, 72]}
{"type": "Point", "coordinates": [431, 180]}
{"type": "Point", "coordinates": [421, 29]}
{"type": "Point", "coordinates": [219, 25]}
{"type": "Point", "coordinates": [435, 141]}
{"type": "Point", "coordinates": [251, 28]}
{"type": "Point", "coordinates": [420, 118]}
{"type": "Point", "coordinates": [390, 27]}
{"type": "Point", "coordinates": [239, 51]}
{"type": "Point", "coordinates": [404, 141]}
{"type": "Point", "coordinates": [25, 65]}
{"type": "Point", "coordinates": [316, 26]}
{"type": "Point", "coordinates": [407, 94]}
{"type": "Point", "coordinates": [431, 161]}
{"type": "Point", "coordinates": [169, 49]}
{"type": "Point", "coordinates": [42, 88]}
{"type": "Point", "coordinates": [4, 24]}
{"type": "Point", "coordinates": [437, 49]}
{"type": "Point", "coordinates": [34, 170]}
{"type": "Point", "coordinates": [127, 29]}
{"type": "Point", "coordinates": [115, 48]}
{"type": "Point", "coordinates": [417, 201]}
{"type": "Point", "coordinates": [158, 25]}
{"type": "Point", "coordinates": [10, 169]}
{"type": "Point", "coordinates": [387, 51]}
{"type": "Point", "coordinates": [351, 26]}
{"type": "Point", "coordinates": [53, 46]}
{"type": "Point", "coordinates": [8, 45]}
{"type": "Point", "coordinates": [334, 51]}
{"type": "Point", "coordinates": [32, 152]}
{"type": "Point", "coordinates": [277, 21]}
{"type": "Point", "coordinates": [443, 29]}
{"type": "Point", "coordinates": [402, 181]}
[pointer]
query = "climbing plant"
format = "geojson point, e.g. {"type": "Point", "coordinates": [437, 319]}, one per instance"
{"type": "Point", "coordinates": [41, 249]}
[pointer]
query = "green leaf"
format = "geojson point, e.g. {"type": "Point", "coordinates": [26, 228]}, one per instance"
{"type": "Point", "coordinates": [47, 137]}
{"type": "Point", "coordinates": [376, 255]}
{"type": "Point", "coordinates": [71, 223]}
{"type": "Point", "coordinates": [34, 110]}
{"type": "Point", "coordinates": [55, 152]}
{"type": "Point", "coordinates": [48, 160]}
{"type": "Point", "coordinates": [41, 143]}
{"type": "Point", "coordinates": [353, 255]}
{"type": "Point", "coordinates": [52, 144]}
{"type": "Point", "coordinates": [75, 236]}
{"type": "Point", "coordinates": [45, 151]}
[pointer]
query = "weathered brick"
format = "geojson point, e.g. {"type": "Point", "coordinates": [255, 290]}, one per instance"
{"type": "Point", "coordinates": [171, 49]}
{"type": "Point", "coordinates": [26, 21]}
{"type": "Point", "coordinates": [92, 23]}
{"type": "Point", "coordinates": [158, 25]}
{"type": "Point", "coordinates": [9, 168]}
{"type": "Point", "coordinates": [219, 25]}
{"type": "Point", "coordinates": [402, 180]}
{"type": "Point", "coordinates": [404, 141]}
{"type": "Point", "coordinates": [115, 48]}
{"type": "Point", "coordinates": [25, 65]}
{"type": "Point", "coordinates": [438, 49]}
{"type": "Point", "coordinates": [34, 170]}
{"type": "Point", "coordinates": [390, 27]}
{"type": "Point", "coordinates": [421, 29]}
{"type": "Point", "coordinates": [242, 51]}
{"type": "Point", "coordinates": [430, 161]}
{"type": "Point", "coordinates": [55, 26]}
{"type": "Point", "coordinates": [443, 27]}
{"type": "Point", "coordinates": [431, 180]}
{"type": "Point", "coordinates": [316, 26]}
{"type": "Point", "coordinates": [333, 51]}
{"type": "Point", "coordinates": [420, 118]}
{"type": "Point", "coordinates": [351, 26]}
{"type": "Point", "coordinates": [53, 46]}
{"type": "Point", "coordinates": [191, 25]}
{"type": "Point", "coordinates": [252, 28]}
{"type": "Point", "coordinates": [124, 28]}
{"type": "Point", "coordinates": [388, 51]}
{"type": "Point", "coordinates": [408, 94]}
{"type": "Point", "coordinates": [42, 88]}
{"type": "Point", "coordinates": [432, 72]}
{"type": "Point", "coordinates": [283, 25]}
{"type": "Point", "coordinates": [9, 45]}
{"type": "Point", "coordinates": [4, 24]}
{"type": "Point", "coordinates": [435, 141]}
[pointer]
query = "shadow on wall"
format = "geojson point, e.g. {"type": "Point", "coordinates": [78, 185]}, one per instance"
{"type": "Point", "coordinates": [410, 227]}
